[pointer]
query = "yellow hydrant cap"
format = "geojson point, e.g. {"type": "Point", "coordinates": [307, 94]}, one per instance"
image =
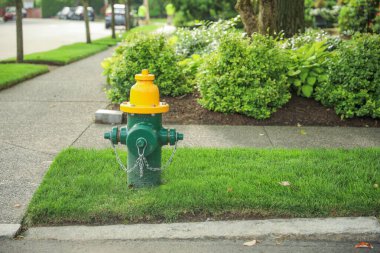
{"type": "Point", "coordinates": [144, 76]}
{"type": "Point", "coordinates": [144, 96]}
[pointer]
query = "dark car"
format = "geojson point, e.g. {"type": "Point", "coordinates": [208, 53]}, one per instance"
{"type": "Point", "coordinates": [119, 16]}
{"type": "Point", "coordinates": [10, 13]}
{"type": "Point", "coordinates": [66, 13]}
{"type": "Point", "coordinates": [78, 14]}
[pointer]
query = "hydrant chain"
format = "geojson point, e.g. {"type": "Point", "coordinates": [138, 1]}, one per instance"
{"type": "Point", "coordinates": [142, 162]}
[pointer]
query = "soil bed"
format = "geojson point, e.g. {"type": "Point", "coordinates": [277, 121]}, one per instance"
{"type": "Point", "coordinates": [299, 110]}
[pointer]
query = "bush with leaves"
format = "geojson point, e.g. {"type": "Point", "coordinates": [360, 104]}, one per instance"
{"type": "Point", "coordinates": [246, 76]}
{"type": "Point", "coordinates": [309, 67]}
{"type": "Point", "coordinates": [202, 40]}
{"type": "Point", "coordinates": [358, 15]}
{"type": "Point", "coordinates": [144, 52]}
{"type": "Point", "coordinates": [353, 87]}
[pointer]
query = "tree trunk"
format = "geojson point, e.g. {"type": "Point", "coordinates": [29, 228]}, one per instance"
{"type": "Point", "coordinates": [19, 38]}
{"type": "Point", "coordinates": [86, 21]}
{"type": "Point", "coordinates": [147, 16]}
{"type": "Point", "coordinates": [113, 19]}
{"type": "Point", "coordinates": [246, 11]}
{"type": "Point", "coordinates": [281, 15]}
{"type": "Point", "coordinates": [127, 21]}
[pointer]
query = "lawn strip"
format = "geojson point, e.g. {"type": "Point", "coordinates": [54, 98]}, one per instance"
{"type": "Point", "coordinates": [66, 54]}
{"type": "Point", "coordinates": [87, 186]}
{"type": "Point", "coordinates": [11, 74]}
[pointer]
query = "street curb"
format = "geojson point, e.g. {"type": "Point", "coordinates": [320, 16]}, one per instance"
{"type": "Point", "coordinates": [8, 231]}
{"type": "Point", "coordinates": [330, 229]}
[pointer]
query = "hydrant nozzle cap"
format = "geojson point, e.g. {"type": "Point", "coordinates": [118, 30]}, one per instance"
{"type": "Point", "coordinates": [144, 76]}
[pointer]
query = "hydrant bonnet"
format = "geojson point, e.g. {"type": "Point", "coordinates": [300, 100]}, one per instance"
{"type": "Point", "coordinates": [144, 96]}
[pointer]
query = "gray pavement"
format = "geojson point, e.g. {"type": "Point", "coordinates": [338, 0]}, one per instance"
{"type": "Point", "coordinates": [180, 246]}
{"type": "Point", "coordinates": [332, 229]}
{"type": "Point", "coordinates": [39, 118]}
{"type": "Point", "coordinates": [45, 34]}
{"type": "Point", "coordinates": [255, 136]}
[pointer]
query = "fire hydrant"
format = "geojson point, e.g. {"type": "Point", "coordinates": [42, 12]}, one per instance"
{"type": "Point", "coordinates": [144, 135]}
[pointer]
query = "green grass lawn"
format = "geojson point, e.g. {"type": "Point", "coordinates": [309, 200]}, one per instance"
{"type": "Point", "coordinates": [141, 30]}
{"type": "Point", "coordinates": [136, 30]}
{"type": "Point", "coordinates": [66, 54]}
{"type": "Point", "coordinates": [87, 186]}
{"type": "Point", "coordinates": [11, 74]}
{"type": "Point", "coordinates": [108, 41]}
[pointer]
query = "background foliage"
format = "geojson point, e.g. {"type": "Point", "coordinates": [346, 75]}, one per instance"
{"type": "Point", "coordinates": [353, 87]}
{"type": "Point", "coordinates": [151, 52]}
{"type": "Point", "coordinates": [359, 15]}
{"type": "Point", "coordinates": [189, 10]}
{"type": "Point", "coordinates": [244, 76]}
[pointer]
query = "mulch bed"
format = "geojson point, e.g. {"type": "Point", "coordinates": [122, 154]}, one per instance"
{"type": "Point", "coordinates": [299, 110]}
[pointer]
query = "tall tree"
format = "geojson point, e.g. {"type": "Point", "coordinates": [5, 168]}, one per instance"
{"type": "Point", "coordinates": [113, 18]}
{"type": "Point", "coordinates": [127, 17]}
{"type": "Point", "coordinates": [248, 16]}
{"type": "Point", "coordinates": [19, 37]}
{"type": "Point", "coordinates": [281, 15]}
{"type": "Point", "coordinates": [147, 15]}
{"type": "Point", "coordinates": [86, 21]}
{"type": "Point", "coordinates": [272, 16]}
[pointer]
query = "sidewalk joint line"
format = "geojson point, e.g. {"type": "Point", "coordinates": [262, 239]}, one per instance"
{"type": "Point", "coordinates": [270, 141]}
{"type": "Point", "coordinates": [81, 134]}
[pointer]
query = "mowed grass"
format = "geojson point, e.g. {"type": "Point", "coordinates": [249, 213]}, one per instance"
{"type": "Point", "coordinates": [108, 41]}
{"type": "Point", "coordinates": [66, 54]}
{"type": "Point", "coordinates": [87, 186]}
{"type": "Point", "coordinates": [11, 74]}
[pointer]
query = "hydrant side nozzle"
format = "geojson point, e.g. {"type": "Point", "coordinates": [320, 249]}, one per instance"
{"type": "Point", "coordinates": [179, 136]}
{"type": "Point", "coordinates": [113, 135]}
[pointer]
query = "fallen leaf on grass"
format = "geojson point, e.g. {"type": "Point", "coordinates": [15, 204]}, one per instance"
{"type": "Point", "coordinates": [364, 245]}
{"type": "Point", "coordinates": [303, 132]}
{"type": "Point", "coordinates": [17, 205]}
{"type": "Point", "coordinates": [250, 243]}
{"type": "Point", "coordinates": [284, 183]}
{"type": "Point", "coordinates": [230, 189]}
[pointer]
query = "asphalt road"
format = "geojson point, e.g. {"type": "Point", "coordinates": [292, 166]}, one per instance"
{"type": "Point", "coordinates": [46, 34]}
{"type": "Point", "coordinates": [179, 246]}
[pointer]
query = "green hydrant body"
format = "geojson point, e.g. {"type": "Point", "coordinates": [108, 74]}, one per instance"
{"type": "Point", "coordinates": [144, 134]}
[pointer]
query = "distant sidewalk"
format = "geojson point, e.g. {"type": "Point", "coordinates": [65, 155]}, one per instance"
{"type": "Point", "coordinates": [254, 136]}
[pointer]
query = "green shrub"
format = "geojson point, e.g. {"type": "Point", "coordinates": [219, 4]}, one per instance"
{"type": "Point", "coordinates": [190, 68]}
{"type": "Point", "coordinates": [201, 40]}
{"type": "Point", "coordinates": [353, 87]}
{"type": "Point", "coordinates": [358, 15]}
{"type": "Point", "coordinates": [309, 67]}
{"type": "Point", "coordinates": [144, 52]}
{"type": "Point", "coordinates": [245, 76]}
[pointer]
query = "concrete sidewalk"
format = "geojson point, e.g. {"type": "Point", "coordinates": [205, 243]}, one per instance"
{"type": "Point", "coordinates": [254, 136]}
{"type": "Point", "coordinates": [39, 118]}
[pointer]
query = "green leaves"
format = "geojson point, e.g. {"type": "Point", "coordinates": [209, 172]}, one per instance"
{"type": "Point", "coordinates": [308, 67]}
{"type": "Point", "coordinates": [307, 90]}
{"type": "Point", "coordinates": [244, 76]}
{"type": "Point", "coordinates": [352, 85]}
{"type": "Point", "coordinates": [152, 52]}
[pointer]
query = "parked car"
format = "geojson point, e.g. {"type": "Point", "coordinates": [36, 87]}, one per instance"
{"type": "Point", "coordinates": [119, 16]}
{"type": "Point", "coordinates": [78, 14]}
{"type": "Point", "coordinates": [10, 13]}
{"type": "Point", "coordinates": [66, 13]}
